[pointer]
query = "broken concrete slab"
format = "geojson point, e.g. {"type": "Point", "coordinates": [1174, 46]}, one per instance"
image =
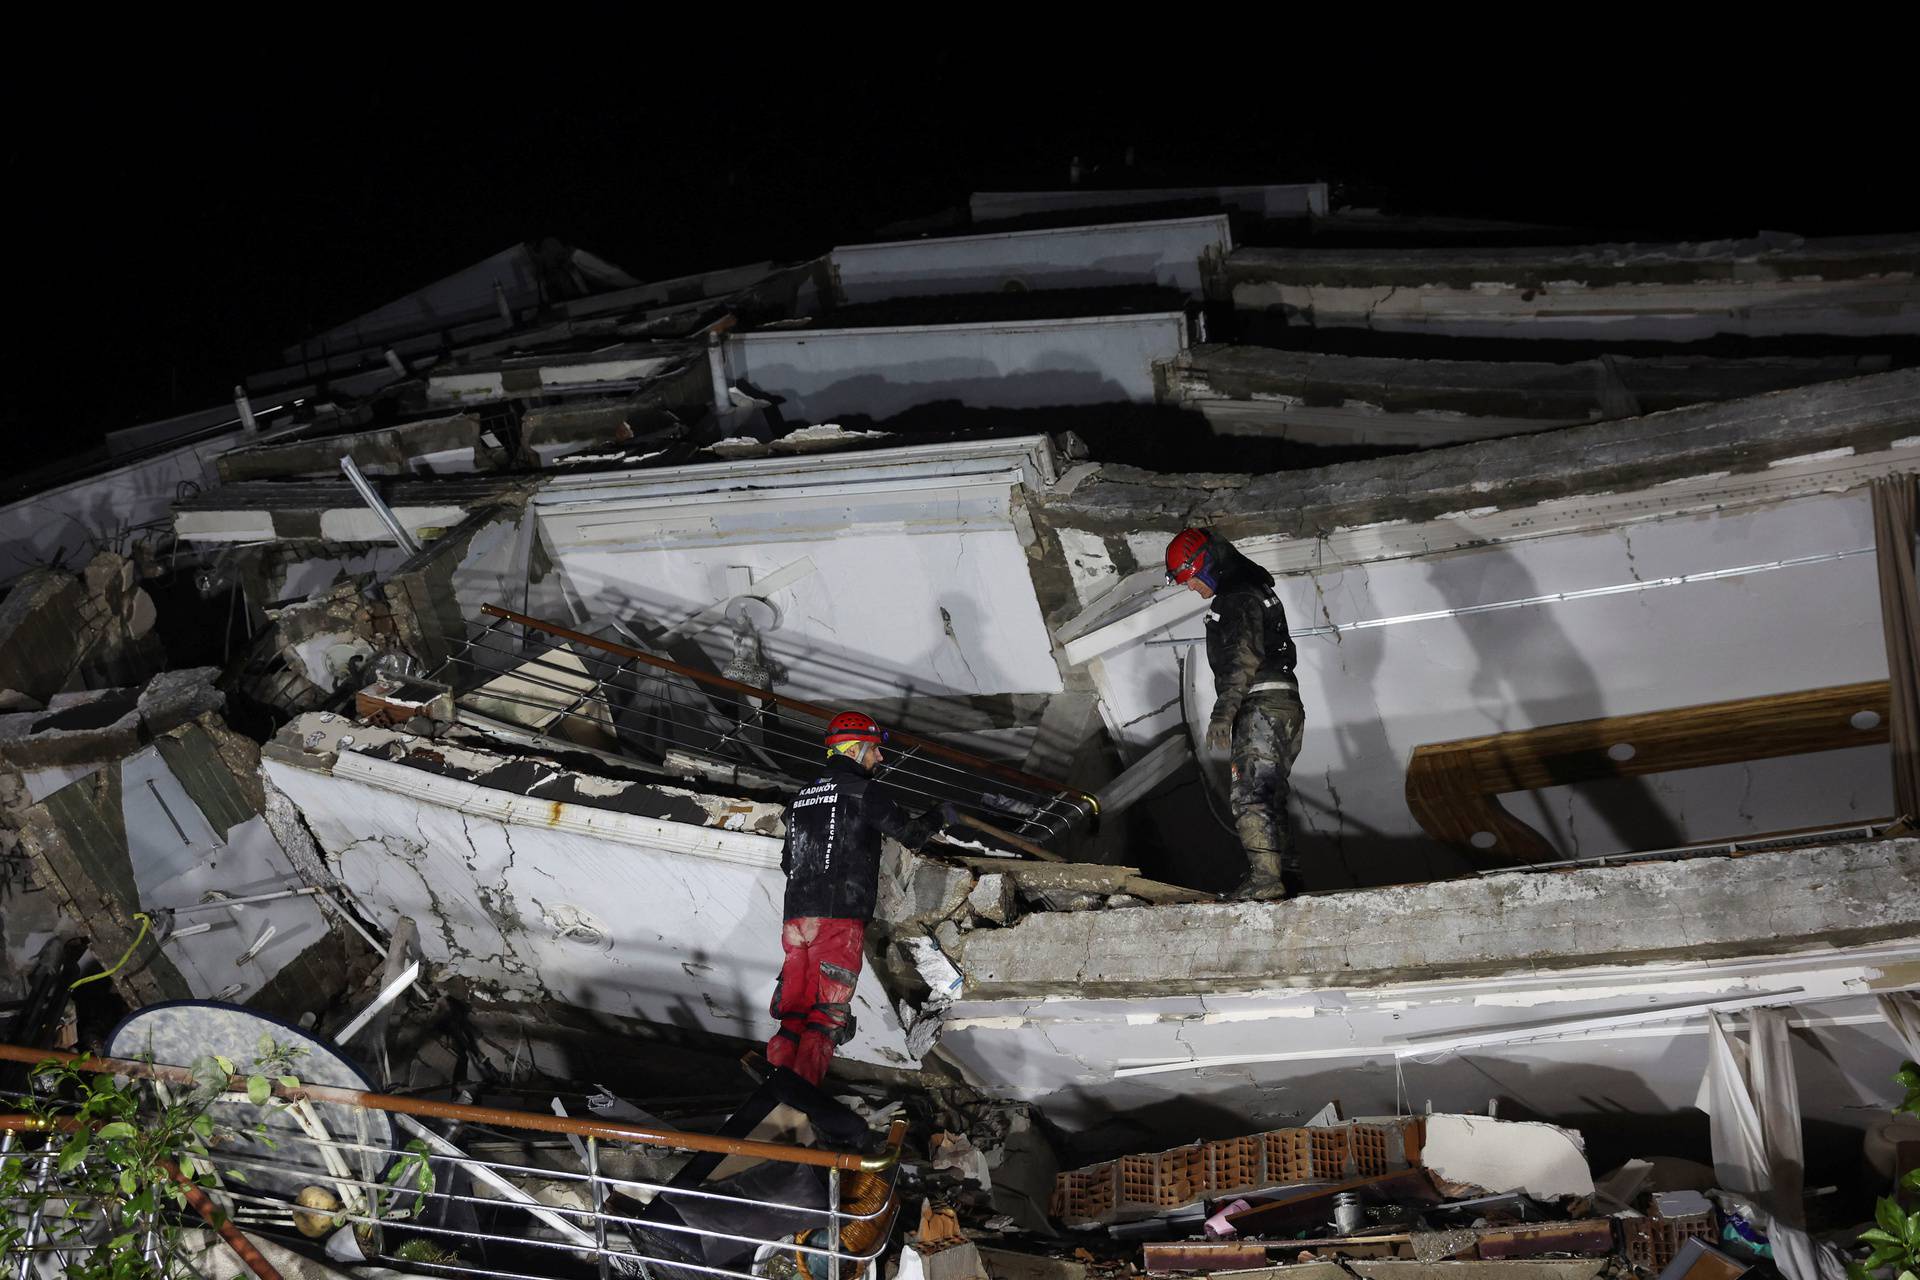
{"type": "Point", "coordinates": [992, 898]}
{"type": "Point", "coordinates": [1827, 896]}
{"type": "Point", "coordinates": [1065, 880]}
{"type": "Point", "coordinates": [1475, 1155]}
{"type": "Point", "coordinates": [916, 888]}
{"type": "Point", "coordinates": [1327, 398]}
{"type": "Point", "coordinates": [107, 724]}
{"type": "Point", "coordinates": [1738, 437]}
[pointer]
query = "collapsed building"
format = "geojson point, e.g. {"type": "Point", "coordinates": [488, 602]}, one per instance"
{"type": "Point", "coordinates": [465, 664]}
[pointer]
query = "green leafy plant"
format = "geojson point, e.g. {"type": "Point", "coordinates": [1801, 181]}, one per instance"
{"type": "Point", "coordinates": [1894, 1239]}
{"type": "Point", "coordinates": [411, 1171]}
{"type": "Point", "coordinates": [118, 1157]}
{"type": "Point", "coordinates": [109, 1182]}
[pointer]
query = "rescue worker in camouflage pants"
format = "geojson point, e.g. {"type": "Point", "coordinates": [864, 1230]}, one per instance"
{"type": "Point", "coordinates": [1257, 714]}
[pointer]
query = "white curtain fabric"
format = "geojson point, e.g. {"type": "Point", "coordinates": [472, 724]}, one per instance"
{"type": "Point", "coordinates": [1902, 1012]}
{"type": "Point", "coordinates": [1754, 1102]}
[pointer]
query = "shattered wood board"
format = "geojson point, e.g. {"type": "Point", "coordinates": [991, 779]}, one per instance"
{"type": "Point", "coordinates": [1194, 1256]}
{"type": "Point", "coordinates": [1592, 1235]}
{"type": "Point", "coordinates": [1037, 878]}
{"type": "Point", "coordinates": [1316, 1204]}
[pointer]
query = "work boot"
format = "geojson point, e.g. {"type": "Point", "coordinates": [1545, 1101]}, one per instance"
{"type": "Point", "coordinates": [1268, 879]}
{"type": "Point", "coordinates": [1261, 887]}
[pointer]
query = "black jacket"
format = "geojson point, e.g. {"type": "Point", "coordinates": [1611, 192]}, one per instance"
{"type": "Point", "coordinates": [1247, 638]}
{"type": "Point", "coordinates": [832, 854]}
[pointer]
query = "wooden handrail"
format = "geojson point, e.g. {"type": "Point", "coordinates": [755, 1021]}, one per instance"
{"type": "Point", "coordinates": [928, 746]}
{"type": "Point", "coordinates": [1452, 787]}
{"type": "Point", "coordinates": [422, 1108]}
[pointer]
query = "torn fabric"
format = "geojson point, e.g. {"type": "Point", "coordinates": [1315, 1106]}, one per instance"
{"type": "Point", "coordinates": [1754, 1102]}
{"type": "Point", "coordinates": [1901, 1009]}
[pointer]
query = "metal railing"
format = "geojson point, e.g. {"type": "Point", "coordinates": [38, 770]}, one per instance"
{"type": "Point", "coordinates": [601, 1210]}
{"type": "Point", "coordinates": [732, 724]}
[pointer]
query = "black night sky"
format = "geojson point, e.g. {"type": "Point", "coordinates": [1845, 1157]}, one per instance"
{"type": "Point", "coordinates": [183, 220]}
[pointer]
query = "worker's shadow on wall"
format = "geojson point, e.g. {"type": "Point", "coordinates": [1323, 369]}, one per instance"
{"type": "Point", "coordinates": [1339, 850]}
{"type": "Point", "coordinates": [1531, 674]}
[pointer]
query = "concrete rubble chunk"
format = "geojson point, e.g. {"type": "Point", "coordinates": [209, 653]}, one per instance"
{"type": "Point", "coordinates": [992, 898]}
{"type": "Point", "coordinates": [107, 724]}
{"type": "Point", "coordinates": [917, 888]}
{"type": "Point", "coordinates": [1495, 1156]}
{"type": "Point", "coordinates": [174, 697]}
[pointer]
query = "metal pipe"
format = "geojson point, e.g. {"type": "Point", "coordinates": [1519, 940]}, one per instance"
{"type": "Point", "coordinates": [40, 1208]}
{"type": "Point", "coordinates": [976, 763]}
{"type": "Point", "coordinates": [379, 507]}
{"type": "Point", "coordinates": [833, 1224]}
{"type": "Point", "coordinates": [481, 1174]}
{"type": "Point", "coordinates": [599, 1204]}
{"type": "Point", "coordinates": [242, 902]}
{"type": "Point", "coordinates": [424, 1108]}
{"type": "Point", "coordinates": [1007, 838]}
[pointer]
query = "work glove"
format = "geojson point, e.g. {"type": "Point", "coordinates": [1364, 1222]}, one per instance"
{"type": "Point", "coordinates": [1220, 736]}
{"type": "Point", "coordinates": [950, 813]}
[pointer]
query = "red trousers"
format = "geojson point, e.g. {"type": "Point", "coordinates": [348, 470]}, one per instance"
{"type": "Point", "coordinates": [813, 995]}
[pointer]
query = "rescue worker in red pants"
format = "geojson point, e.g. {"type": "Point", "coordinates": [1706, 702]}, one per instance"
{"type": "Point", "coordinates": [832, 861]}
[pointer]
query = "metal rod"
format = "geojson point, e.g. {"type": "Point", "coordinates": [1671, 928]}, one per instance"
{"type": "Point", "coordinates": [599, 1203]}
{"type": "Point", "coordinates": [379, 507]}
{"type": "Point", "coordinates": [570, 690]}
{"type": "Point", "coordinates": [388, 994]}
{"type": "Point", "coordinates": [794, 704]}
{"type": "Point", "coordinates": [39, 1208]}
{"type": "Point", "coordinates": [424, 1108]}
{"type": "Point", "coordinates": [304, 891]}
{"type": "Point", "coordinates": [1009, 839]}
{"type": "Point", "coordinates": [452, 1155]}
{"type": "Point", "coordinates": [833, 1224]}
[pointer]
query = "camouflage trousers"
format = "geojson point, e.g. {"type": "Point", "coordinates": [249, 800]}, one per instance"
{"type": "Point", "coordinates": [1266, 741]}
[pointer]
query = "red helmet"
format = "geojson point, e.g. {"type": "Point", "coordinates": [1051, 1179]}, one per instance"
{"type": "Point", "coordinates": [1188, 557]}
{"type": "Point", "coordinates": [852, 726]}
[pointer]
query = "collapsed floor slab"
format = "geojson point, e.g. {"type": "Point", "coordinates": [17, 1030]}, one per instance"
{"type": "Point", "coordinates": [1845, 895]}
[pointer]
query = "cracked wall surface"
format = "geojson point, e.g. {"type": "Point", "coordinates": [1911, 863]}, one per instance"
{"type": "Point", "coordinates": [900, 580]}
{"type": "Point", "coordinates": [1185, 1021]}
{"type": "Point", "coordinates": [1374, 694]}
{"type": "Point", "coordinates": [532, 884]}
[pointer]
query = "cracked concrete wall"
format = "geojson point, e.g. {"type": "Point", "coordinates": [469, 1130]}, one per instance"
{"type": "Point", "coordinates": [1864, 285]}
{"type": "Point", "coordinates": [1186, 1021]}
{"type": "Point", "coordinates": [585, 894]}
{"type": "Point", "coordinates": [901, 592]}
{"type": "Point", "coordinates": [1373, 695]}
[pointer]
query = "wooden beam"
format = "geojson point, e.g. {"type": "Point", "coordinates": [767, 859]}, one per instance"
{"type": "Point", "coordinates": [1453, 788]}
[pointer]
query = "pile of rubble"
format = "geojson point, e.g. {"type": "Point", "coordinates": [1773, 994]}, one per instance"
{"type": "Point", "coordinates": [1369, 1197]}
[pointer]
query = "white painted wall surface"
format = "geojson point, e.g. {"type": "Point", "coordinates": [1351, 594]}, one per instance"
{"type": "Point", "coordinates": [684, 939]}
{"type": "Point", "coordinates": [912, 578]}
{"type": "Point", "coordinates": [1067, 1053]}
{"type": "Point", "coordinates": [1166, 253]}
{"type": "Point", "coordinates": [1373, 695]}
{"type": "Point", "coordinates": [79, 517]}
{"type": "Point", "coordinates": [823, 375]}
